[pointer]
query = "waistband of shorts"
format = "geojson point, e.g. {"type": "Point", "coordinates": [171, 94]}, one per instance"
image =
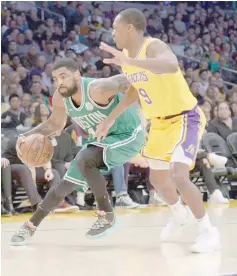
{"type": "Point", "coordinates": [172, 116]}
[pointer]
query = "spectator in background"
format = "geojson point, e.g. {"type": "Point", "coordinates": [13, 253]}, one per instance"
{"type": "Point", "coordinates": [70, 53]}
{"type": "Point", "coordinates": [24, 81]}
{"type": "Point", "coordinates": [29, 39]}
{"type": "Point", "coordinates": [15, 62]}
{"type": "Point", "coordinates": [90, 71]}
{"type": "Point", "coordinates": [26, 104]}
{"type": "Point", "coordinates": [13, 117]}
{"type": "Point", "coordinates": [91, 39]}
{"type": "Point", "coordinates": [204, 80]}
{"type": "Point", "coordinates": [37, 77]}
{"type": "Point", "coordinates": [87, 59]}
{"type": "Point", "coordinates": [5, 58]}
{"type": "Point", "coordinates": [106, 71]}
{"type": "Point", "coordinates": [70, 10]}
{"type": "Point", "coordinates": [106, 28]}
{"type": "Point", "coordinates": [40, 64]}
{"type": "Point", "coordinates": [12, 48]}
{"type": "Point", "coordinates": [213, 95]}
{"type": "Point", "coordinates": [30, 59]}
{"type": "Point", "coordinates": [233, 107]}
{"type": "Point", "coordinates": [47, 77]}
{"type": "Point", "coordinates": [207, 110]}
{"type": "Point", "coordinates": [79, 15]}
{"type": "Point", "coordinates": [41, 114]}
{"type": "Point", "coordinates": [179, 25]}
{"type": "Point", "coordinates": [36, 90]}
{"type": "Point", "coordinates": [224, 124]}
{"type": "Point", "coordinates": [58, 8]}
{"type": "Point", "coordinates": [33, 19]}
{"type": "Point", "coordinates": [49, 51]}
{"type": "Point", "coordinates": [22, 49]}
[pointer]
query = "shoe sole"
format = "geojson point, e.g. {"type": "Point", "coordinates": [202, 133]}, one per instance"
{"type": "Point", "coordinates": [19, 243]}
{"type": "Point", "coordinates": [206, 251]}
{"type": "Point", "coordinates": [117, 223]}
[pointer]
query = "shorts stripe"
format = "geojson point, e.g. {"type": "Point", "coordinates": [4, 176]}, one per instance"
{"type": "Point", "coordinates": [183, 133]}
{"type": "Point", "coordinates": [75, 180]}
{"type": "Point", "coordinates": [127, 141]}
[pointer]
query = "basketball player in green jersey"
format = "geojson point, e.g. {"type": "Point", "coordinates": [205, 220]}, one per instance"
{"type": "Point", "coordinates": [87, 102]}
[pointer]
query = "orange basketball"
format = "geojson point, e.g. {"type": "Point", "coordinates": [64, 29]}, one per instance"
{"type": "Point", "coordinates": [37, 150]}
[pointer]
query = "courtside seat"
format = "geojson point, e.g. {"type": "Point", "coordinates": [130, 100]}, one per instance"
{"type": "Point", "coordinates": [232, 143]}
{"type": "Point", "coordinates": [214, 143]}
{"type": "Point", "coordinates": [218, 172]}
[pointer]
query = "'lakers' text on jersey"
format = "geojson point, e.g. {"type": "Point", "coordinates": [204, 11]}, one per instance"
{"type": "Point", "coordinates": [160, 95]}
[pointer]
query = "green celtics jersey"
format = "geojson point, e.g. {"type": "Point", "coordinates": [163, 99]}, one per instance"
{"type": "Point", "coordinates": [89, 114]}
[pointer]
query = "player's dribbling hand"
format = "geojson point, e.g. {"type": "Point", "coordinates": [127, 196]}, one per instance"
{"type": "Point", "coordinates": [48, 175]}
{"type": "Point", "coordinates": [103, 129]}
{"type": "Point", "coordinates": [119, 58]}
{"type": "Point", "coordinates": [20, 141]}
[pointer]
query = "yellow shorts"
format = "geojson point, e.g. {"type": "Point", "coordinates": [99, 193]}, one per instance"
{"type": "Point", "coordinates": [176, 139]}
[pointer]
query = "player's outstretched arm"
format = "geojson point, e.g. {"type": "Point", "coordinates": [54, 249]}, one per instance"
{"type": "Point", "coordinates": [56, 121]}
{"type": "Point", "coordinates": [159, 58]}
{"type": "Point", "coordinates": [128, 99]}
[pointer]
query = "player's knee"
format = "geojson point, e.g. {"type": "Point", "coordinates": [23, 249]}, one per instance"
{"type": "Point", "coordinates": [85, 162]}
{"type": "Point", "coordinates": [180, 176]}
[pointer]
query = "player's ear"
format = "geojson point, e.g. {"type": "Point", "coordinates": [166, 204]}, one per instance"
{"type": "Point", "coordinates": [130, 26]}
{"type": "Point", "coordinates": [77, 75]}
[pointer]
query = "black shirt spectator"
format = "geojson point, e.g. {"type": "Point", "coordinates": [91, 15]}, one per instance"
{"type": "Point", "coordinates": [223, 125]}
{"type": "Point", "coordinates": [79, 16]}
{"type": "Point", "coordinates": [13, 117]}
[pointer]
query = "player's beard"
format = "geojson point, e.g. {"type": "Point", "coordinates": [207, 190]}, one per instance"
{"type": "Point", "coordinates": [70, 92]}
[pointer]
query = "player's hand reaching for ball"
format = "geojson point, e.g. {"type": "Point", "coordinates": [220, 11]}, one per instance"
{"type": "Point", "coordinates": [103, 129]}
{"type": "Point", "coordinates": [20, 141]}
{"type": "Point", "coordinates": [48, 175]}
{"type": "Point", "coordinates": [119, 58]}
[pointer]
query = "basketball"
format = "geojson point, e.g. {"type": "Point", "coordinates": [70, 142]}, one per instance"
{"type": "Point", "coordinates": [37, 150]}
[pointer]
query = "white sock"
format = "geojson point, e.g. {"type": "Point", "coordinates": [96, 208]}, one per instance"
{"type": "Point", "coordinates": [81, 198]}
{"type": "Point", "coordinates": [204, 223]}
{"type": "Point", "coordinates": [179, 210]}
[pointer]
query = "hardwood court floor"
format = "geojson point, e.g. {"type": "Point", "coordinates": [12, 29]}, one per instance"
{"type": "Point", "coordinates": [60, 248]}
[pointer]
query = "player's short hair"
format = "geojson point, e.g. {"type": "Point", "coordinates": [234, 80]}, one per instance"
{"type": "Point", "coordinates": [134, 17]}
{"type": "Point", "coordinates": [68, 63]}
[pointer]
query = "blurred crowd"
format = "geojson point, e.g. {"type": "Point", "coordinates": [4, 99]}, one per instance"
{"type": "Point", "coordinates": [203, 38]}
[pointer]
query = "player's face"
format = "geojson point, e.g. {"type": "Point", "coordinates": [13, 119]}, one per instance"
{"type": "Point", "coordinates": [65, 82]}
{"type": "Point", "coordinates": [121, 33]}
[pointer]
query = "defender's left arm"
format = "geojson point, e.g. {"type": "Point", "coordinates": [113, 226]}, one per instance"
{"type": "Point", "coordinates": [102, 90]}
{"type": "Point", "coordinates": [160, 59]}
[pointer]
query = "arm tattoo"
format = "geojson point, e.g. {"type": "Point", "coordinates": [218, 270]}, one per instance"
{"type": "Point", "coordinates": [120, 81]}
{"type": "Point", "coordinates": [114, 85]}
{"type": "Point", "coordinates": [47, 128]}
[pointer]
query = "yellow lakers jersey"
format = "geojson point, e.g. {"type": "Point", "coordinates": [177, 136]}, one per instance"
{"type": "Point", "coordinates": [160, 95]}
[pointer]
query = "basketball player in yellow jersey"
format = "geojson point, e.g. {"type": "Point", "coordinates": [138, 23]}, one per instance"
{"type": "Point", "coordinates": [177, 123]}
